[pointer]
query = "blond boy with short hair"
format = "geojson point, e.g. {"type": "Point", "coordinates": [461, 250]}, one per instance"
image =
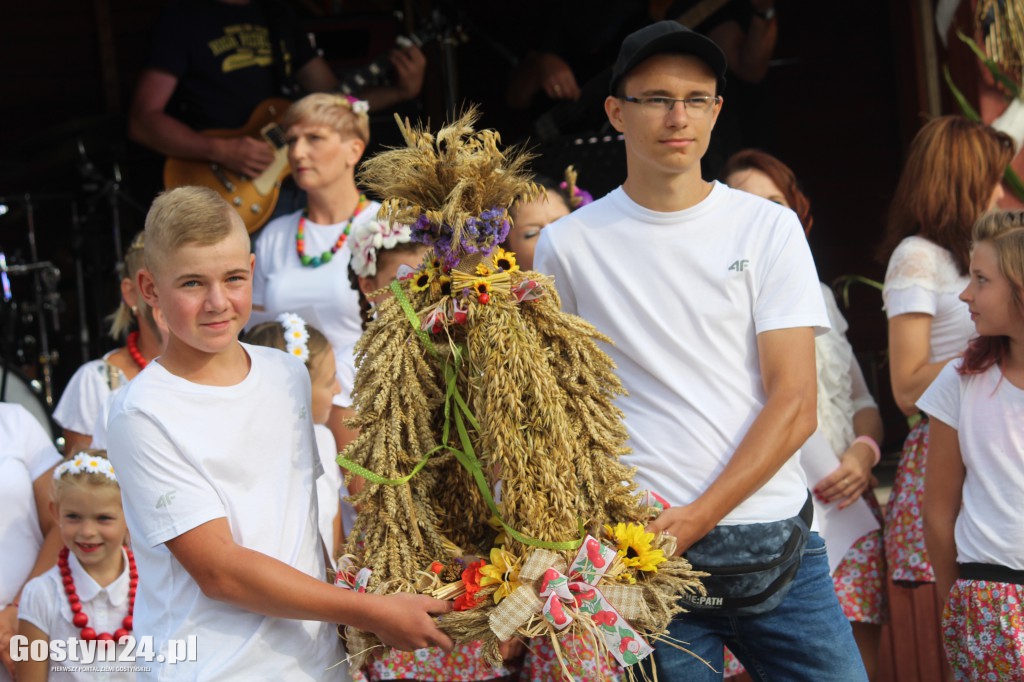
{"type": "Point", "coordinates": [214, 446]}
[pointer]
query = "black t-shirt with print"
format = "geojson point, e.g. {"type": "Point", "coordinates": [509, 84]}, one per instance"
{"type": "Point", "coordinates": [221, 54]}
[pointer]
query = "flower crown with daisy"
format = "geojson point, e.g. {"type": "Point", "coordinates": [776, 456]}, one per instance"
{"type": "Point", "coordinates": [84, 463]}
{"type": "Point", "coordinates": [372, 236]}
{"type": "Point", "coordinates": [296, 336]}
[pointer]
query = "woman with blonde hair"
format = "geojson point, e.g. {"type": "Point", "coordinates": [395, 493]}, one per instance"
{"type": "Point", "coordinates": [302, 258]}
{"type": "Point", "coordinates": [84, 399]}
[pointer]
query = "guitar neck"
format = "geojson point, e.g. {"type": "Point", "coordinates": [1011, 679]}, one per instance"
{"type": "Point", "coordinates": [357, 80]}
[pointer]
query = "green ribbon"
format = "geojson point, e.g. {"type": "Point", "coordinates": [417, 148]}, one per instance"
{"type": "Point", "coordinates": [460, 415]}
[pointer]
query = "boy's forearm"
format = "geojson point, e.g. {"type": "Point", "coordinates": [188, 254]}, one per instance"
{"type": "Point", "coordinates": [253, 581]}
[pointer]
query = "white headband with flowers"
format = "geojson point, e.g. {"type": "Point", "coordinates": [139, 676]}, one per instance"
{"type": "Point", "coordinates": [368, 238]}
{"type": "Point", "coordinates": [83, 463]}
{"type": "Point", "coordinates": [295, 335]}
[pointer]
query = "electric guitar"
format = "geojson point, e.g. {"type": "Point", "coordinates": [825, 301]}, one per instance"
{"type": "Point", "coordinates": [255, 198]}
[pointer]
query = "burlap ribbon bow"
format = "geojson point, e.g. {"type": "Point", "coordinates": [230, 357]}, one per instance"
{"type": "Point", "coordinates": [562, 596]}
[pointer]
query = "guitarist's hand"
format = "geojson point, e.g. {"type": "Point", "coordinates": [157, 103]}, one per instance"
{"type": "Point", "coordinates": [556, 78]}
{"type": "Point", "coordinates": [410, 66]}
{"type": "Point", "coordinates": [244, 155]}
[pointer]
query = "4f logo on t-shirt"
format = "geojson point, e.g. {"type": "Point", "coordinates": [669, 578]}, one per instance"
{"type": "Point", "coordinates": [166, 499]}
{"type": "Point", "coordinates": [739, 265]}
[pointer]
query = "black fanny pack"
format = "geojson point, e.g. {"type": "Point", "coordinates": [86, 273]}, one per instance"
{"type": "Point", "coordinates": [993, 573]}
{"type": "Point", "coordinates": [751, 565]}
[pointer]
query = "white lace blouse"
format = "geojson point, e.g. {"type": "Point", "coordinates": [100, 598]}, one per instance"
{"type": "Point", "coordinates": [923, 278]}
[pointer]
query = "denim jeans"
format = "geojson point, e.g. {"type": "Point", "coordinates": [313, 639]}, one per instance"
{"type": "Point", "coordinates": [806, 637]}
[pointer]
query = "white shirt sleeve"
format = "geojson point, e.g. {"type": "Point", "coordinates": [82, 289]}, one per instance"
{"type": "Point", "coordinates": [941, 400]}
{"type": "Point", "coordinates": [39, 451]}
{"type": "Point", "coordinates": [163, 491]}
{"type": "Point", "coordinates": [80, 403]}
{"type": "Point", "coordinates": [37, 603]}
{"type": "Point", "coordinates": [788, 291]}
{"type": "Point", "coordinates": [548, 261]}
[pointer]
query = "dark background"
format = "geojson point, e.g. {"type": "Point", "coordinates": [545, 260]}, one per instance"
{"type": "Point", "coordinates": [840, 104]}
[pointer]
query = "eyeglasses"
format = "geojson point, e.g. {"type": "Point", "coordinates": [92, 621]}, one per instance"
{"type": "Point", "coordinates": [700, 105]}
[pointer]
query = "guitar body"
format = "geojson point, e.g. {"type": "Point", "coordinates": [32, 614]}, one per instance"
{"type": "Point", "coordinates": [253, 198]}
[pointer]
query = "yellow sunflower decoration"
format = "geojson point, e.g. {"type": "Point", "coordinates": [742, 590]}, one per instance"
{"type": "Point", "coordinates": [636, 546]}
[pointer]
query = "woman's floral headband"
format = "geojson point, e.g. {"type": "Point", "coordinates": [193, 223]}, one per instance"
{"type": "Point", "coordinates": [372, 236]}
{"type": "Point", "coordinates": [358, 106]}
{"type": "Point", "coordinates": [83, 463]}
{"type": "Point", "coordinates": [296, 335]}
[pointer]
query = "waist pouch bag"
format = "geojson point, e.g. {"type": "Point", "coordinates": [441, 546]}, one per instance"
{"type": "Point", "coordinates": [751, 565]}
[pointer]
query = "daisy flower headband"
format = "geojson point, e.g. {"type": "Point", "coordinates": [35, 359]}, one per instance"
{"type": "Point", "coordinates": [296, 336]}
{"type": "Point", "coordinates": [83, 463]}
{"type": "Point", "coordinates": [370, 237]}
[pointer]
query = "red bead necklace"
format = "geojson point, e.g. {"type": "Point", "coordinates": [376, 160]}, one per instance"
{"type": "Point", "coordinates": [80, 619]}
{"type": "Point", "coordinates": [133, 350]}
{"type": "Point", "coordinates": [325, 257]}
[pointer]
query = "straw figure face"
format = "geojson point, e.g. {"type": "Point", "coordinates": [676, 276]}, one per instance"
{"type": "Point", "coordinates": [472, 375]}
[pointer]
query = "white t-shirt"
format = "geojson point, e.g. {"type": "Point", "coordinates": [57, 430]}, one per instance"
{"type": "Point", "coordinates": [86, 392]}
{"type": "Point", "coordinates": [282, 284]}
{"type": "Point", "coordinates": [45, 605]}
{"type": "Point", "coordinates": [987, 412]}
{"type": "Point", "coordinates": [26, 453]}
{"type": "Point", "coordinates": [328, 486]}
{"type": "Point", "coordinates": [683, 297]}
{"type": "Point", "coordinates": [923, 278]}
{"type": "Point", "coordinates": [186, 454]}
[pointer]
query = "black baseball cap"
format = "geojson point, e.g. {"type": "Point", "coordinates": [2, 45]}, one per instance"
{"type": "Point", "coordinates": [667, 37]}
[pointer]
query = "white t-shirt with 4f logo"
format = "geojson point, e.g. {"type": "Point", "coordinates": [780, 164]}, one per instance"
{"type": "Point", "coordinates": [684, 295]}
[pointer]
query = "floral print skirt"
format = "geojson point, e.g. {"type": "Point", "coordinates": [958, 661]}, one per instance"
{"type": "Point", "coordinates": [583, 662]}
{"type": "Point", "coordinates": [860, 576]}
{"type": "Point", "coordinates": [904, 521]}
{"type": "Point", "coordinates": [983, 631]}
{"type": "Point", "coordinates": [463, 664]}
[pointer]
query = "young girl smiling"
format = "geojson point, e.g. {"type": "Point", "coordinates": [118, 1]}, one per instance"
{"type": "Point", "coordinates": [90, 593]}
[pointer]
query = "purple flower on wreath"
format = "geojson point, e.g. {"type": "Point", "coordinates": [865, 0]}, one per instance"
{"type": "Point", "coordinates": [481, 234]}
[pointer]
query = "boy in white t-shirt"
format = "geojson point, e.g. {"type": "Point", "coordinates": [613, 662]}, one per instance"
{"type": "Point", "coordinates": [712, 301]}
{"type": "Point", "coordinates": [214, 447]}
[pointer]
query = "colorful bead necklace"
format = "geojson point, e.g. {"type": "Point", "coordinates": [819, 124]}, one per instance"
{"type": "Point", "coordinates": [133, 350]}
{"type": "Point", "coordinates": [80, 619]}
{"type": "Point", "coordinates": [325, 257]}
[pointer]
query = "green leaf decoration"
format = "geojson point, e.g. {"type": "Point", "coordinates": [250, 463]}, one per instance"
{"type": "Point", "coordinates": [965, 106]}
{"type": "Point", "coordinates": [843, 283]}
{"type": "Point", "coordinates": [990, 64]}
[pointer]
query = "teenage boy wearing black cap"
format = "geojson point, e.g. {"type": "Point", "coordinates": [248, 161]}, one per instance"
{"type": "Point", "coordinates": [711, 298]}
